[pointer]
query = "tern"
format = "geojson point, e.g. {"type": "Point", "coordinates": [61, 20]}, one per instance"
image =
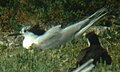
{"type": "Point", "coordinates": [56, 35]}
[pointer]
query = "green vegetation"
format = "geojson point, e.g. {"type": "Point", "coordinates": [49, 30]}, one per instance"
{"type": "Point", "coordinates": [16, 13]}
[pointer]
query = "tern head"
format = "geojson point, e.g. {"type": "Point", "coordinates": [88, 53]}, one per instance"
{"type": "Point", "coordinates": [36, 30]}
{"type": "Point", "coordinates": [25, 29]}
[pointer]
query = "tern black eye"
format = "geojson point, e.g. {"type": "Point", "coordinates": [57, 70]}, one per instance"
{"type": "Point", "coordinates": [25, 30]}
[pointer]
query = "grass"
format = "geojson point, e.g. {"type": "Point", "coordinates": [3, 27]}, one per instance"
{"type": "Point", "coordinates": [59, 59]}
{"type": "Point", "coordinates": [16, 13]}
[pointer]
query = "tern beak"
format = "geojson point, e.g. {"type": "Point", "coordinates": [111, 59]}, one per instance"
{"type": "Point", "coordinates": [15, 35]}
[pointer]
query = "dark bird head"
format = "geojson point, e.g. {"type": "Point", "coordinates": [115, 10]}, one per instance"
{"type": "Point", "coordinates": [92, 38]}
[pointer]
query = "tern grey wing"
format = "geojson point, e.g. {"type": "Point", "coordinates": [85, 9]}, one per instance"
{"type": "Point", "coordinates": [91, 20]}
{"type": "Point", "coordinates": [81, 26]}
{"type": "Point", "coordinates": [55, 29]}
{"type": "Point", "coordinates": [50, 39]}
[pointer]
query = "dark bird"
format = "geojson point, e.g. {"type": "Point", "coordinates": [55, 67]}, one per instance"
{"type": "Point", "coordinates": [94, 51]}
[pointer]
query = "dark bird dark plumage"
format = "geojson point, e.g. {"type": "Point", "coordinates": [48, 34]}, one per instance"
{"type": "Point", "coordinates": [94, 51]}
